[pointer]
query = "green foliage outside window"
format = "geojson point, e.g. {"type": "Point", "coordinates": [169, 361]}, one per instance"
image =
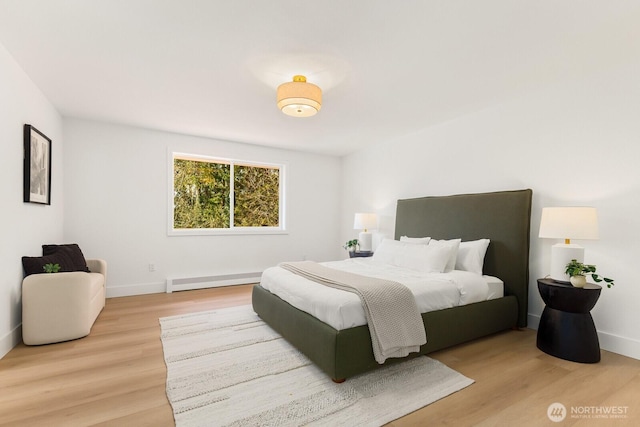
{"type": "Point", "coordinates": [202, 195]}
{"type": "Point", "coordinates": [257, 196]}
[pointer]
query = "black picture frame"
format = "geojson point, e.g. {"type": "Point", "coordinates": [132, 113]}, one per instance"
{"type": "Point", "coordinates": [37, 166]}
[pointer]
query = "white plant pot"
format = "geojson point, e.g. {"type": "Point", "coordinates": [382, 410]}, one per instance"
{"type": "Point", "coordinates": [578, 281]}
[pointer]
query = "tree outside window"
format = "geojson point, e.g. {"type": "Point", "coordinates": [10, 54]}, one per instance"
{"type": "Point", "coordinates": [220, 194]}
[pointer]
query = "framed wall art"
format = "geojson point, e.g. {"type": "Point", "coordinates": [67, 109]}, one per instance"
{"type": "Point", "coordinates": [37, 166]}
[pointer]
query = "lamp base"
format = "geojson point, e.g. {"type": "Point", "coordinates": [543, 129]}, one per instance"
{"type": "Point", "coordinates": [561, 255]}
{"type": "Point", "coordinates": [364, 240]}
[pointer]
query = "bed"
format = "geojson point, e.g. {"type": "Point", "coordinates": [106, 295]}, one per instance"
{"type": "Point", "coordinates": [503, 217]}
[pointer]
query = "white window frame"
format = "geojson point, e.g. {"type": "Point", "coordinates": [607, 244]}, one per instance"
{"type": "Point", "coordinates": [232, 230]}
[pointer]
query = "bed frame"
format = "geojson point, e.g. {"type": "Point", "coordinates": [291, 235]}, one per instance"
{"type": "Point", "coordinates": [503, 217]}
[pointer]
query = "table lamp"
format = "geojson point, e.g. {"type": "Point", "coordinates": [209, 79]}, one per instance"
{"type": "Point", "coordinates": [365, 222]}
{"type": "Point", "coordinates": [571, 222]}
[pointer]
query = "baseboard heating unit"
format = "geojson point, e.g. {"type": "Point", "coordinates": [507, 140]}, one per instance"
{"type": "Point", "coordinates": [190, 283]}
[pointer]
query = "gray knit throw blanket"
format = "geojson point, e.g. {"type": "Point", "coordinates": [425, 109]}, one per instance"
{"type": "Point", "coordinates": [390, 308]}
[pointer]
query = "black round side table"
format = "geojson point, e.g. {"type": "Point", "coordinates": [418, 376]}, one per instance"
{"type": "Point", "coordinates": [566, 327]}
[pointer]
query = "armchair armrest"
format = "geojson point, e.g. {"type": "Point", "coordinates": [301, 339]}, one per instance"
{"type": "Point", "coordinates": [98, 266]}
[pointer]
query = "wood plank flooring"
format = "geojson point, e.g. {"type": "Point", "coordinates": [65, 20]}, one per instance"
{"type": "Point", "coordinates": [116, 375]}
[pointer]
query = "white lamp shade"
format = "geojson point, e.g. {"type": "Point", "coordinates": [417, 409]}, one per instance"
{"type": "Point", "coordinates": [571, 222]}
{"type": "Point", "coordinates": [365, 221]}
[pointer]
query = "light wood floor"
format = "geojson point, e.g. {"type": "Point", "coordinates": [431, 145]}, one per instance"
{"type": "Point", "coordinates": [116, 376]}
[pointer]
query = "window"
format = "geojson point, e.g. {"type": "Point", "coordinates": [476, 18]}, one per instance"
{"type": "Point", "coordinates": [222, 196]}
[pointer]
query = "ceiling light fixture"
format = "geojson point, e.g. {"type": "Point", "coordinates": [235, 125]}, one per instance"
{"type": "Point", "coordinates": [299, 98]}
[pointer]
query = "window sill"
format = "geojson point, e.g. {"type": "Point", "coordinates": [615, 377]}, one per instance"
{"type": "Point", "coordinates": [225, 232]}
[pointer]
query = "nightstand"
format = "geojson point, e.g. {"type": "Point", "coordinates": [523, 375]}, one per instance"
{"type": "Point", "coordinates": [359, 254]}
{"type": "Point", "coordinates": [566, 327]}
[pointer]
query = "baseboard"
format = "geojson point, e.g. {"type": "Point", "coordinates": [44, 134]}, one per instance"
{"type": "Point", "coordinates": [10, 340]}
{"type": "Point", "coordinates": [608, 341]}
{"type": "Point", "coordinates": [533, 320]}
{"type": "Point", "coordinates": [135, 289]}
{"type": "Point", "coordinates": [203, 282]}
{"type": "Point", "coordinates": [621, 345]}
{"type": "Point", "coordinates": [157, 288]}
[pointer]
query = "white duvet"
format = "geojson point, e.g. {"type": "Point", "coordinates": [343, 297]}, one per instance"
{"type": "Point", "coordinates": [343, 310]}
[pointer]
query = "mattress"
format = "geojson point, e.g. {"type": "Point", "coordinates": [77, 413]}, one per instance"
{"type": "Point", "coordinates": [342, 310]}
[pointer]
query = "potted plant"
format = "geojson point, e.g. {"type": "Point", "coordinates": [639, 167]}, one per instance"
{"type": "Point", "coordinates": [578, 274]}
{"type": "Point", "coordinates": [51, 268]}
{"type": "Point", "coordinates": [351, 245]}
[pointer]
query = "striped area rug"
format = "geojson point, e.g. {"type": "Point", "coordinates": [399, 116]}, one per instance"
{"type": "Point", "coordinates": [228, 368]}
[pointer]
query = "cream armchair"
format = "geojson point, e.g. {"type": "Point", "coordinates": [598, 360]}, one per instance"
{"type": "Point", "coordinates": [62, 306]}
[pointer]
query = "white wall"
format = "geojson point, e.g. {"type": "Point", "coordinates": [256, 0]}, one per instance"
{"type": "Point", "coordinates": [116, 195]}
{"type": "Point", "coordinates": [576, 143]}
{"type": "Point", "coordinates": [26, 226]}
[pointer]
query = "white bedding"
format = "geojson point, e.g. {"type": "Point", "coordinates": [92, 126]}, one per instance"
{"type": "Point", "coordinates": [343, 310]}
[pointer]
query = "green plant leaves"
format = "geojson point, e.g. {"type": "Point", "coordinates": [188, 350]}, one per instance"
{"type": "Point", "coordinates": [51, 268]}
{"type": "Point", "coordinates": [575, 268]}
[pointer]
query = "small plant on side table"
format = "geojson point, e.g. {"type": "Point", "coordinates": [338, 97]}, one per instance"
{"type": "Point", "coordinates": [577, 269]}
{"type": "Point", "coordinates": [51, 268]}
{"type": "Point", "coordinates": [351, 245]}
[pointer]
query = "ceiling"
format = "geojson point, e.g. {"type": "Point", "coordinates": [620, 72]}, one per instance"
{"type": "Point", "coordinates": [387, 68]}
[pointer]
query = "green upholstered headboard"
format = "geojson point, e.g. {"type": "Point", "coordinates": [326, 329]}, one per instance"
{"type": "Point", "coordinates": [503, 217]}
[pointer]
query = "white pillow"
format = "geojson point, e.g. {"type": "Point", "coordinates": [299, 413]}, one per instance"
{"type": "Point", "coordinates": [471, 255]}
{"type": "Point", "coordinates": [453, 243]}
{"type": "Point", "coordinates": [415, 240]}
{"type": "Point", "coordinates": [424, 258]}
{"type": "Point", "coordinates": [386, 251]}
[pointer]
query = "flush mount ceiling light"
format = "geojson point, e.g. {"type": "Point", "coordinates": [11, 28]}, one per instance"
{"type": "Point", "coordinates": [299, 98]}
